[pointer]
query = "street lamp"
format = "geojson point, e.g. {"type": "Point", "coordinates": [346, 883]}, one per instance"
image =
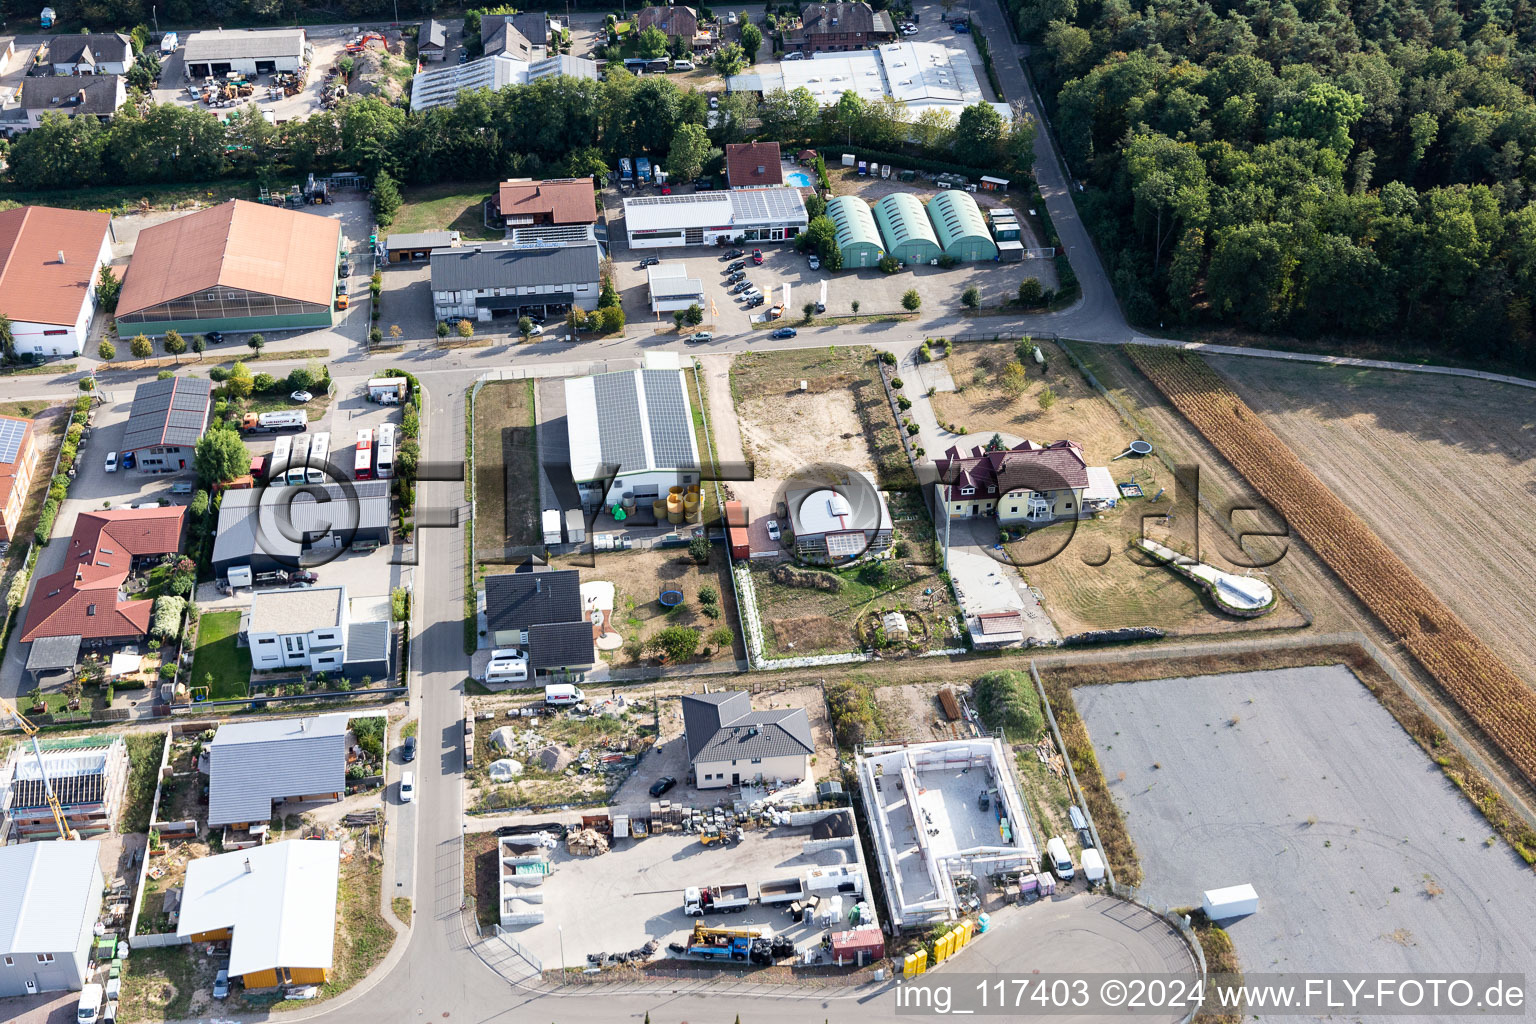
{"type": "Point", "coordinates": [561, 930]}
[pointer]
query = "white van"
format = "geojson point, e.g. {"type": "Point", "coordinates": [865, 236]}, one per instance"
{"type": "Point", "coordinates": [1093, 867]}
{"type": "Point", "coordinates": [89, 1010]}
{"type": "Point", "coordinates": [1060, 860]}
{"type": "Point", "coordinates": [562, 694]}
{"type": "Point", "coordinates": [407, 787]}
{"type": "Point", "coordinates": [507, 665]}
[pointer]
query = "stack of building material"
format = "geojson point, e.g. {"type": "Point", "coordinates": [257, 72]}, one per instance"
{"type": "Point", "coordinates": [586, 842]}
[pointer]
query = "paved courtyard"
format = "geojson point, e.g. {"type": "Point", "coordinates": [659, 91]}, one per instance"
{"type": "Point", "coordinates": [1297, 781]}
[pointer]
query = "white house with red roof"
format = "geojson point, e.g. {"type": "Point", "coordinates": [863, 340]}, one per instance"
{"type": "Point", "coordinates": [1028, 483]}
{"type": "Point", "coordinates": [49, 261]}
{"type": "Point", "coordinates": [85, 598]}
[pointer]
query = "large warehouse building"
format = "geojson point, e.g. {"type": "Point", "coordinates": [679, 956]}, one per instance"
{"type": "Point", "coordinates": [961, 228]}
{"type": "Point", "coordinates": [257, 52]}
{"type": "Point", "coordinates": [708, 218]}
{"type": "Point", "coordinates": [631, 433]}
{"type": "Point", "coordinates": [857, 235]}
{"type": "Point", "coordinates": [484, 279]}
{"type": "Point", "coordinates": [905, 227]}
{"type": "Point", "coordinates": [235, 267]}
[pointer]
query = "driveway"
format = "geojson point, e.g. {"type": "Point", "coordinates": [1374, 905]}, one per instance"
{"type": "Point", "coordinates": [987, 582]}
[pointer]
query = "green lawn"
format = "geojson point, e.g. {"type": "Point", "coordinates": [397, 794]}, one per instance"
{"type": "Point", "coordinates": [217, 653]}
{"type": "Point", "coordinates": [447, 207]}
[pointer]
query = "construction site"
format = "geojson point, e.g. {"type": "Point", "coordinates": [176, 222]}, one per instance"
{"type": "Point", "coordinates": [748, 885]}
{"type": "Point", "coordinates": [88, 774]}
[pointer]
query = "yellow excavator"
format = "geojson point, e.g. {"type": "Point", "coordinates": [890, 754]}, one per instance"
{"type": "Point", "coordinates": [65, 832]}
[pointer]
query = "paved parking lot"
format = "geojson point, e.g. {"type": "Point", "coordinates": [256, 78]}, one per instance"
{"type": "Point", "coordinates": [1259, 777]}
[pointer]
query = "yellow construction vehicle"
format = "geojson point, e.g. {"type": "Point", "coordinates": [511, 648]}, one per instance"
{"type": "Point", "coordinates": [30, 730]}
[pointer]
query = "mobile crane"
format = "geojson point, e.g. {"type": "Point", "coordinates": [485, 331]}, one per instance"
{"type": "Point", "coordinates": [30, 730]}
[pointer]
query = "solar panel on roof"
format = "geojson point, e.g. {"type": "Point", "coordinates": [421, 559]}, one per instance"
{"type": "Point", "coordinates": [671, 424]}
{"type": "Point", "coordinates": [11, 433]}
{"type": "Point", "coordinates": [619, 434]}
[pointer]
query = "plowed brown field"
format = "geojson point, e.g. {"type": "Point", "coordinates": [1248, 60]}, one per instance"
{"type": "Point", "coordinates": [1469, 671]}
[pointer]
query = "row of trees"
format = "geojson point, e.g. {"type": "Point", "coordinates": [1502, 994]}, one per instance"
{"type": "Point", "coordinates": [1326, 169]}
{"type": "Point", "coordinates": [553, 127]}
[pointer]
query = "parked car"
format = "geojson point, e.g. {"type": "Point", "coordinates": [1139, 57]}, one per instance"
{"type": "Point", "coordinates": [738, 265]}
{"type": "Point", "coordinates": [821, 307]}
{"type": "Point", "coordinates": [699, 338]}
{"type": "Point", "coordinates": [408, 750]}
{"type": "Point", "coordinates": [907, 28]}
{"type": "Point", "coordinates": [407, 787]}
{"type": "Point", "coordinates": [301, 396]}
{"type": "Point", "coordinates": [650, 261]}
{"type": "Point", "coordinates": [128, 460]}
{"type": "Point", "coordinates": [345, 270]}
{"type": "Point", "coordinates": [714, 102]}
{"type": "Point", "coordinates": [1085, 839]}
{"type": "Point", "coordinates": [300, 585]}
{"type": "Point", "coordinates": [741, 286]}
{"type": "Point", "coordinates": [682, 65]}
{"type": "Point", "coordinates": [757, 256]}
{"type": "Point", "coordinates": [534, 330]}
{"type": "Point", "coordinates": [733, 254]}
{"type": "Point", "coordinates": [736, 275]}
{"type": "Point", "coordinates": [753, 301]}
{"type": "Point", "coordinates": [752, 293]}
{"type": "Point", "coordinates": [221, 984]}
{"type": "Point", "coordinates": [773, 529]}
{"type": "Point", "coordinates": [815, 262]}
{"type": "Point", "coordinates": [794, 55]}
{"type": "Point", "coordinates": [303, 576]}
{"type": "Point", "coordinates": [111, 462]}
{"type": "Point", "coordinates": [662, 784]}
{"type": "Point", "coordinates": [961, 26]}
{"type": "Point", "coordinates": [784, 332]}
{"type": "Point", "coordinates": [214, 337]}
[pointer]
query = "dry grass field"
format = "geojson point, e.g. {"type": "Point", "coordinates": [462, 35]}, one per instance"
{"type": "Point", "coordinates": [982, 407]}
{"type": "Point", "coordinates": [1443, 469]}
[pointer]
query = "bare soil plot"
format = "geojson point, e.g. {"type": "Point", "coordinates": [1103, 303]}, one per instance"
{"type": "Point", "coordinates": [981, 406]}
{"type": "Point", "coordinates": [1443, 469]}
{"type": "Point", "coordinates": [1256, 776]}
{"type": "Point", "coordinates": [802, 621]}
{"type": "Point", "coordinates": [841, 415]}
{"type": "Point", "coordinates": [506, 469]}
{"type": "Point", "coordinates": [1092, 580]}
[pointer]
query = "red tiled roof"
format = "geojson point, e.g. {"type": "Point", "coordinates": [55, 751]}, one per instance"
{"type": "Point", "coordinates": [34, 285]}
{"type": "Point", "coordinates": [81, 598]}
{"type": "Point", "coordinates": [673, 21]}
{"type": "Point", "coordinates": [753, 163]}
{"type": "Point", "coordinates": [1029, 466]}
{"type": "Point", "coordinates": [564, 200]}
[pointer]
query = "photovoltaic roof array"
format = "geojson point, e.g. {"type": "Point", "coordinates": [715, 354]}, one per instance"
{"type": "Point", "coordinates": [11, 433]}
{"type": "Point", "coordinates": [671, 424]}
{"type": "Point", "coordinates": [618, 413]}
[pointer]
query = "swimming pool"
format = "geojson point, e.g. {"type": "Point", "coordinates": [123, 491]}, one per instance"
{"type": "Point", "coordinates": [799, 179]}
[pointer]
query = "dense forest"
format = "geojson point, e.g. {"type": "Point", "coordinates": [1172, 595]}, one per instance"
{"type": "Point", "coordinates": [1318, 167]}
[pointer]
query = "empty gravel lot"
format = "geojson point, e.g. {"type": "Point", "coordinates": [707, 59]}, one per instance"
{"type": "Point", "coordinates": [1297, 781]}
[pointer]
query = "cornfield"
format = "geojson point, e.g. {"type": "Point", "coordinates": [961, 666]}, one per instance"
{"type": "Point", "coordinates": [1470, 673]}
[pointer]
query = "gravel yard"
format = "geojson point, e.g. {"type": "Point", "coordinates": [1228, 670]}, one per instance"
{"type": "Point", "coordinates": [1297, 781]}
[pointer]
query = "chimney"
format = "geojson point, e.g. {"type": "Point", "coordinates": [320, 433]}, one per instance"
{"type": "Point", "coordinates": [61, 256]}
{"type": "Point", "coordinates": [247, 865]}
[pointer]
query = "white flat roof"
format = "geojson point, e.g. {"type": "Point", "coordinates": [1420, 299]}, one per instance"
{"type": "Point", "coordinates": [279, 900]}
{"type": "Point", "coordinates": [920, 75]}
{"type": "Point", "coordinates": [742, 207]}
{"type": "Point", "coordinates": [1101, 485]}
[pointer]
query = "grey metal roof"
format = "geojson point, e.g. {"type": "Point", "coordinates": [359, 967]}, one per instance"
{"type": "Point", "coordinates": [105, 47]}
{"type": "Point", "coordinates": [297, 611]}
{"type": "Point", "coordinates": [521, 600]}
{"type": "Point", "coordinates": [168, 412]}
{"type": "Point", "coordinates": [433, 34]}
{"type": "Point", "coordinates": [562, 64]}
{"type": "Point", "coordinates": [291, 517]}
{"type": "Point", "coordinates": [52, 652]}
{"type": "Point", "coordinates": [420, 240]}
{"type": "Point", "coordinates": [560, 645]}
{"type": "Point", "coordinates": [724, 727]}
{"type": "Point", "coordinates": [505, 265]}
{"type": "Point", "coordinates": [51, 895]}
{"type": "Point", "coordinates": [367, 642]}
{"type": "Point", "coordinates": [221, 45]}
{"type": "Point", "coordinates": [253, 763]}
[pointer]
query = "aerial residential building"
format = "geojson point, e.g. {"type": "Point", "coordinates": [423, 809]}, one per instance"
{"type": "Point", "coordinates": [98, 96]}
{"type": "Point", "coordinates": [839, 521]}
{"type": "Point", "coordinates": [432, 41]}
{"type": "Point", "coordinates": [481, 279]}
{"type": "Point", "coordinates": [237, 266]}
{"type": "Point", "coordinates": [167, 418]}
{"type": "Point", "coordinates": [253, 766]}
{"type": "Point", "coordinates": [706, 218]}
{"type": "Point", "coordinates": [671, 21]}
{"type": "Point", "coordinates": [92, 53]}
{"type": "Point", "coordinates": [18, 463]}
{"type": "Point", "coordinates": [252, 52]}
{"type": "Point", "coordinates": [541, 613]}
{"type": "Point", "coordinates": [313, 629]}
{"type": "Point", "coordinates": [729, 743]}
{"type": "Point", "coordinates": [274, 904]}
{"type": "Point", "coordinates": [499, 37]}
{"type": "Point", "coordinates": [524, 202]}
{"type": "Point", "coordinates": [49, 263]}
{"type": "Point", "coordinates": [753, 164]}
{"type": "Point", "coordinates": [1028, 483]}
{"type": "Point", "coordinates": [83, 599]}
{"type": "Point", "coordinates": [48, 909]}
{"type": "Point", "coordinates": [839, 26]}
